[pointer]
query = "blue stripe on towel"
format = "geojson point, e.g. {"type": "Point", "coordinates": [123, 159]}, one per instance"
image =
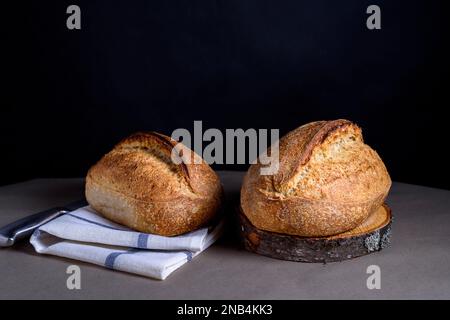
{"type": "Point", "coordinates": [96, 223]}
{"type": "Point", "coordinates": [188, 255]}
{"type": "Point", "coordinates": [111, 258]}
{"type": "Point", "coordinates": [142, 241]}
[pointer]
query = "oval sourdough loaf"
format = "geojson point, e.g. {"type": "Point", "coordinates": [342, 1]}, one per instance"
{"type": "Point", "coordinates": [328, 182]}
{"type": "Point", "coordinates": [138, 185]}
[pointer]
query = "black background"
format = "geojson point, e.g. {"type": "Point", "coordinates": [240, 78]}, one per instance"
{"type": "Point", "coordinates": [70, 95]}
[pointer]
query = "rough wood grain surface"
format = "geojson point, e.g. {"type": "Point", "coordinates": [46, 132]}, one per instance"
{"type": "Point", "coordinates": [372, 235]}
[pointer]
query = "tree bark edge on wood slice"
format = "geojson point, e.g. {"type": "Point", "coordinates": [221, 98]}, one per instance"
{"type": "Point", "coordinates": [372, 235]}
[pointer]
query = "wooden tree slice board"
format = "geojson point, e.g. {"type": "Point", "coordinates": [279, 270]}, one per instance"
{"type": "Point", "coordinates": [372, 235]}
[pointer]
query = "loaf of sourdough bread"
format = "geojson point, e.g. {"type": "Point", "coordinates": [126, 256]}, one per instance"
{"type": "Point", "coordinates": [328, 182]}
{"type": "Point", "coordinates": [138, 185]}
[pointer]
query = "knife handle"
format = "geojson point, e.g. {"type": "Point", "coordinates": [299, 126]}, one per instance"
{"type": "Point", "coordinates": [24, 227]}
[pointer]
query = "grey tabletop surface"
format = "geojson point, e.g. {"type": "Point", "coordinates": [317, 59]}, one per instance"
{"type": "Point", "coordinates": [416, 266]}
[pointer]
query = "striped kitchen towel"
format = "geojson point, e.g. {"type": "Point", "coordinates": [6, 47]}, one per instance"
{"type": "Point", "coordinates": [85, 235]}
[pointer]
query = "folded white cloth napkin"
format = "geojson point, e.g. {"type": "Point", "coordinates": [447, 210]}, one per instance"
{"type": "Point", "coordinates": [84, 235]}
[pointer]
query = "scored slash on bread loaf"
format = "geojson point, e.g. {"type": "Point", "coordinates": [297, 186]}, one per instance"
{"type": "Point", "coordinates": [328, 182]}
{"type": "Point", "coordinates": [138, 185]}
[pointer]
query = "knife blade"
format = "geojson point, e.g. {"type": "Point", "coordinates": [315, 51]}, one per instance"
{"type": "Point", "coordinates": [24, 227]}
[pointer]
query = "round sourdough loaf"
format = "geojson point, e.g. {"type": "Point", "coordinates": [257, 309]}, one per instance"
{"type": "Point", "coordinates": [138, 185]}
{"type": "Point", "coordinates": [328, 182]}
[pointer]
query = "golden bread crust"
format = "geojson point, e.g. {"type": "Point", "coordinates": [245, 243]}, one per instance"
{"type": "Point", "coordinates": [328, 182]}
{"type": "Point", "coordinates": [138, 185]}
